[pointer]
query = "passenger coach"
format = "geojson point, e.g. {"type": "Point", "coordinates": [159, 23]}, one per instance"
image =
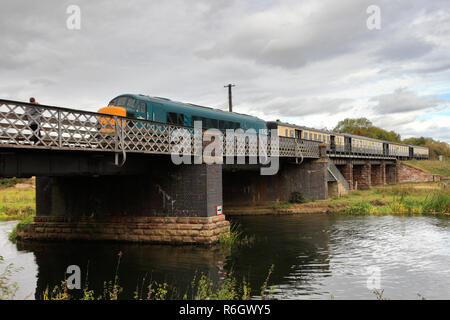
{"type": "Point", "coordinates": [343, 143]}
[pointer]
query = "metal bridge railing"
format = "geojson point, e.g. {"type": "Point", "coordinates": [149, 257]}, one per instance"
{"type": "Point", "coordinates": [24, 125]}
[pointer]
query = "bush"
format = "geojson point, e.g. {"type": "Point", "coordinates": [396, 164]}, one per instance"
{"type": "Point", "coordinates": [297, 197]}
{"type": "Point", "coordinates": [438, 202]}
{"type": "Point", "coordinates": [22, 225]}
{"type": "Point", "coordinates": [8, 182]}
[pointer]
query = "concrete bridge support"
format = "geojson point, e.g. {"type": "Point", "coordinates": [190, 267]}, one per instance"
{"type": "Point", "coordinates": [173, 204]}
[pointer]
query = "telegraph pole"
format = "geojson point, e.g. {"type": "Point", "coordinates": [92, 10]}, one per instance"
{"type": "Point", "coordinates": [230, 101]}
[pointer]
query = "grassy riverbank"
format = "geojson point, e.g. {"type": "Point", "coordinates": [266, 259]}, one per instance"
{"type": "Point", "coordinates": [17, 199]}
{"type": "Point", "coordinates": [411, 198]}
{"type": "Point", "coordinates": [432, 166]}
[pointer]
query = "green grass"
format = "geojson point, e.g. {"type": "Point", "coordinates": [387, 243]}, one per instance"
{"type": "Point", "coordinates": [432, 166]}
{"type": "Point", "coordinates": [281, 205]}
{"type": "Point", "coordinates": [17, 203]}
{"type": "Point", "coordinates": [409, 199]}
{"type": "Point", "coordinates": [235, 238]}
{"type": "Point", "coordinates": [12, 236]}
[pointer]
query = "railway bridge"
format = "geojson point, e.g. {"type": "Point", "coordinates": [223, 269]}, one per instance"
{"type": "Point", "coordinates": [115, 178]}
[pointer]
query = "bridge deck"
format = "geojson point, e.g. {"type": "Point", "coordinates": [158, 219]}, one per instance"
{"type": "Point", "coordinates": [77, 130]}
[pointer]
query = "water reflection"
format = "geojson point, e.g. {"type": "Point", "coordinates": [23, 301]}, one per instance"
{"type": "Point", "coordinates": [298, 249]}
{"type": "Point", "coordinates": [98, 261]}
{"type": "Point", "coordinates": [315, 257]}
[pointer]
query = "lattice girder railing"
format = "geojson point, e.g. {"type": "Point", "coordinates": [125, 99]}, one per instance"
{"type": "Point", "coordinates": [29, 125]}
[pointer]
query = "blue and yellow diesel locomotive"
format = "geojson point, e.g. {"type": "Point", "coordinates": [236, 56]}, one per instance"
{"type": "Point", "coordinates": [178, 113]}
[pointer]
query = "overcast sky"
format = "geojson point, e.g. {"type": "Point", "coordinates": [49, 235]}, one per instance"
{"type": "Point", "coordinates": [312, 63]}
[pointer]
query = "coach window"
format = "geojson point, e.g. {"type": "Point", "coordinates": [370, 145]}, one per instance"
{"type": "Point", "coordinates": [171, 117]}
{"type": "Point", "coordinates": [175, 118]}
{"type": "Point", "coordinates": [180, 119]}
{"type": "Point", "coordinates": [211, 123]}
{"type": "Point", "coordinates": [292, 133]}
{"type": "Point", "coordinates": [315, 136]}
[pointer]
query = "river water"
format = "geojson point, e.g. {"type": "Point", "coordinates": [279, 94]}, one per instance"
{"type": "Point", "coordinates": [314, 257]}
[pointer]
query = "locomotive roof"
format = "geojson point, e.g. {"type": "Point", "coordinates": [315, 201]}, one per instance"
{"type": "Point", "coordinates": [191, 105]}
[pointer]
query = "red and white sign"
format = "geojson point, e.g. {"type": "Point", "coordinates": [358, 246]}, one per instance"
{"type": "Point", "coordinates": [219, 209]}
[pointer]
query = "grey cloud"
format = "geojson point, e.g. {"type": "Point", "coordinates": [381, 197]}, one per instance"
{"type": "Point", "coordinates": [432, 68]}
{"type": "Point", "coordinates": [289, 37]}
{"type": "Point", "coordinates": [403, 100]}
{"type": "Point", "coordinates": [404, 48]}
{"type": "Point", "coordinates": [298, 106]}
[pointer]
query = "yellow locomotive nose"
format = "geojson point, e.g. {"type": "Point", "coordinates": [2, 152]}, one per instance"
{"type": "Point", "coordinates": [108, 123]}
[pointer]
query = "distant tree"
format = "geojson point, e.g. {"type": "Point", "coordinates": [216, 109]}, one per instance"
{"type": "Point", "coordinates": [364, 127]}
{"type": "Point", "coordinates": [437, 148]}
{"type": "Point", "coordinates": [352, 125]}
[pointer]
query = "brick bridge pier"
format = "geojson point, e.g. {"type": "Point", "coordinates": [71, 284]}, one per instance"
{"type": "Point", "coordinates": [362, 174]}
{"type": "Point", "coordinates": [148, 200]}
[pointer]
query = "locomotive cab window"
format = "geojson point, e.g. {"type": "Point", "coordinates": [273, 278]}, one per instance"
{"type": "Point", "coordinates": [121, 102]}
{"type": "Point", "coordinates": [131, 103]}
